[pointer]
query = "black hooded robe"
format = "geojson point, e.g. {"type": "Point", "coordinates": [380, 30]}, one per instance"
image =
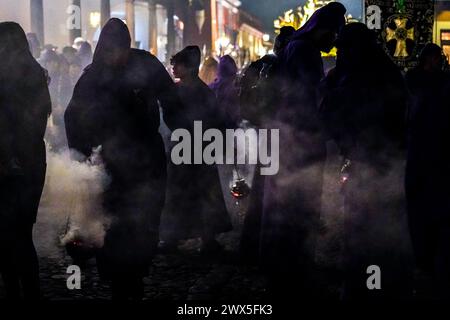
{"type": "Point", "coordinates": [117, 107]}
{"type": "Point", "coordinates": [195, 205]}
{"type": "Point", "coordinates": [24, 108]}
{"type": "Point", "coordinates": [292, 197]}
{"type": "Point", "coordinates": [427, 173]}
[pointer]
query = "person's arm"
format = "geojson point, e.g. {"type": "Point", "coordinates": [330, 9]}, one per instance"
{"type": "Point", "coordinates": [75, 120]}
{"type": "Point", "coordinates": [167, 95]}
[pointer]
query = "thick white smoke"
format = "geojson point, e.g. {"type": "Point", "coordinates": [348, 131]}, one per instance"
{"type": "Point", "coordinates": [72, 197]}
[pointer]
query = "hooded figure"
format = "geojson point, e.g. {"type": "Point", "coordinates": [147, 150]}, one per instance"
{"type": "Point", "coordinates": [428, 170]}
{"type": "Point", "coordinates": [292, 198]}
{"type": "Point", "coordinates": [195, 205]}
{"type": "Point", "coordinates": [258, 93]}
{"type": "Point", "coordinates": [364, 112]}
{"type": "Point", "coordinates": [51, 61]}
{"type": "Point", "coordinates": [85, 54]}
{"type": "Point", "coordinates": [115, 106]}
{"type": "Point", "coordinates": [227, 91]}
{"type": "Point", "coordinates": [259, 98]}
{"type": "Point", "coordinates": [25, 106]}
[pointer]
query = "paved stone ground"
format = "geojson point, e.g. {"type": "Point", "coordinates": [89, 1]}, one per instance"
{"type": "Point", "coordinates": [185, 275]}
{"type": "Point", "coordinates": [182, 276]}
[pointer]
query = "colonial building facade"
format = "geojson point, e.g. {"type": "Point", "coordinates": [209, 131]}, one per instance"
{"type": "Point", "coordinates": [161, 26]}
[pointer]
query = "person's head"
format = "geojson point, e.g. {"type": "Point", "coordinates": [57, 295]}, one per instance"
{"type": "Point", "coordinates": [227, 68]}
{"type": "Point", "coordinates": [356, 45]}
{"type": "Point", "coordinates": [208, 70]}
{"type": "Point", "coordinates": [77, 43]}
{"type": "Point", "coordinates": [14, 43]}
{"type": "Point", "coordinates": [432, 58]}
{"type": "Point", "coordinates": [186, 63]}
{"type": "Point", "coordinates": [50, 61]}
{"type": "Point", "coordinates": [85, 50]}
{"type": "Point", "coordinates": [75, 69]}
{"type": "Point", "coordinates": [324, 25]}
{"type": "Point", "coordinates": [69, 53]}
{"type": "Point", "coordinates": [283, 39]}
{"type": "Point", "coordinates": [114, 44]}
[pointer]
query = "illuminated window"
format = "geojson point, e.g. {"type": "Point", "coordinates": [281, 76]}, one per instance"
{"type": "Point", "coordinates": [445, 42]}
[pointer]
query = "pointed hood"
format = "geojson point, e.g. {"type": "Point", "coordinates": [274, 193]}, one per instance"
{"type": "Point", "coordinates": [113, 45]}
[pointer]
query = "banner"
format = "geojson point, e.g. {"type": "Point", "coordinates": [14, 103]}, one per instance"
{"type": "Point", "coordinates": [403, 27]}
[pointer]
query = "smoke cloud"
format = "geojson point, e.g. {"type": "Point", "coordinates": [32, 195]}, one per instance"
{"type": "Point", "coordinates": [71, 202]}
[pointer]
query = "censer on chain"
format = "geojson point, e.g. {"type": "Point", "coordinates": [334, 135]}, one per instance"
{"type": "Point", "coordinates": [77, 247]}
{"type": "Point", "coordinates": [240, 189]}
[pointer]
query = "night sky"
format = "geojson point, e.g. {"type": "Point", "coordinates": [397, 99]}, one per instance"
{"type": "Point", "coordinates": [269, 10]}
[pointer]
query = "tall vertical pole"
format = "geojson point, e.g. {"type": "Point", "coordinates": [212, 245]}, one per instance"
{"type": "Point", "coordinates": [170, 28]}
{"type": "Point", "coordinates": [153, 26]}
{"type": "Point", "coordinates": [76, 31]}
{"type": "Point", "coordinates": [105, 11]}
{"type": "Point", "coordinates": [129, 16]}
{"type": "Point", "coordinates": [37, 19]}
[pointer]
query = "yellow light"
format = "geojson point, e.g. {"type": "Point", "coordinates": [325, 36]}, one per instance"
{"type": "Point", "coordinates": [94, 19]}
{"type": "Point", "coordinates": [298, 17]}
{"type": "Point", "coordinates": [266, 37]}
{"type": "Point", "coordinates": [224, 42]}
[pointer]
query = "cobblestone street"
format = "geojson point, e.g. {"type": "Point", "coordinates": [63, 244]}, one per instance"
{"type": "Point", "coordinates": [182, 276]}
{"type": "Point", "coordinates": [185, 275]}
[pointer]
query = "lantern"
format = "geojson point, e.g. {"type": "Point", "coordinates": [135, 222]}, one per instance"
{"type": "Point", "coordinates": [200, 15]}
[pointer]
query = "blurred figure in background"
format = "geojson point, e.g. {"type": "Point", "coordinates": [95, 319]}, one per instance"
{"type": "Point", "coordinates": [77, 43]}
{"type": "Point", "coordinates": [208, 70]}
{"type": "Point", "coordinates": [195, 206]}
{"type": "Point", "coordinates": [227, 92]}
{"type": "Point", "coordinates": [428, 169]}
{"type": "Point", "coordinates": [51, 62]}
{"type": "Point", "coordinates": [35, 45]}
{"type": "Point", "coordinates": [258, 86]}
{"type": "Point", "coordinates": [69, 54]}
{"type": "Point", "coordinates": [259, 96]}
{"type": "Point", "coordinates": [24, 108]}
{"type": "Point", "coordinates": [84, 54]}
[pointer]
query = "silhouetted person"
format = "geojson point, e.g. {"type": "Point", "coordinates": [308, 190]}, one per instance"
{"type": "Point", "coordinates": [35, 46]}
{"type": "Point", "coordinates": [292, 198]}
{"type": "Point", "coordinates": [69, 54]}
{"type": "Point", "coordinates": [195, 206]}
{"type": "Point", "coordinates": [51, 61]}
{"type": "Point", "coordinates": [428, 169]}
{"type": "Point", "coordinates": [115, 106]}
{"type": "Point", "coordinates": [365, 112]}
{"type": "Point", "coordinates": [85, 54]}
{"type": "Point", "coordinates": [24, 108]}
{"type": "Point", "coordinates": [260, 95]}
{"type": "Point", "coordinates": [258, 86]}
{"type": "Point", "coordinates": [227, 92]}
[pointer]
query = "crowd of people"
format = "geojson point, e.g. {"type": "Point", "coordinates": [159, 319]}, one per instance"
{"type": "Point", "coordinates": [391, 130]}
